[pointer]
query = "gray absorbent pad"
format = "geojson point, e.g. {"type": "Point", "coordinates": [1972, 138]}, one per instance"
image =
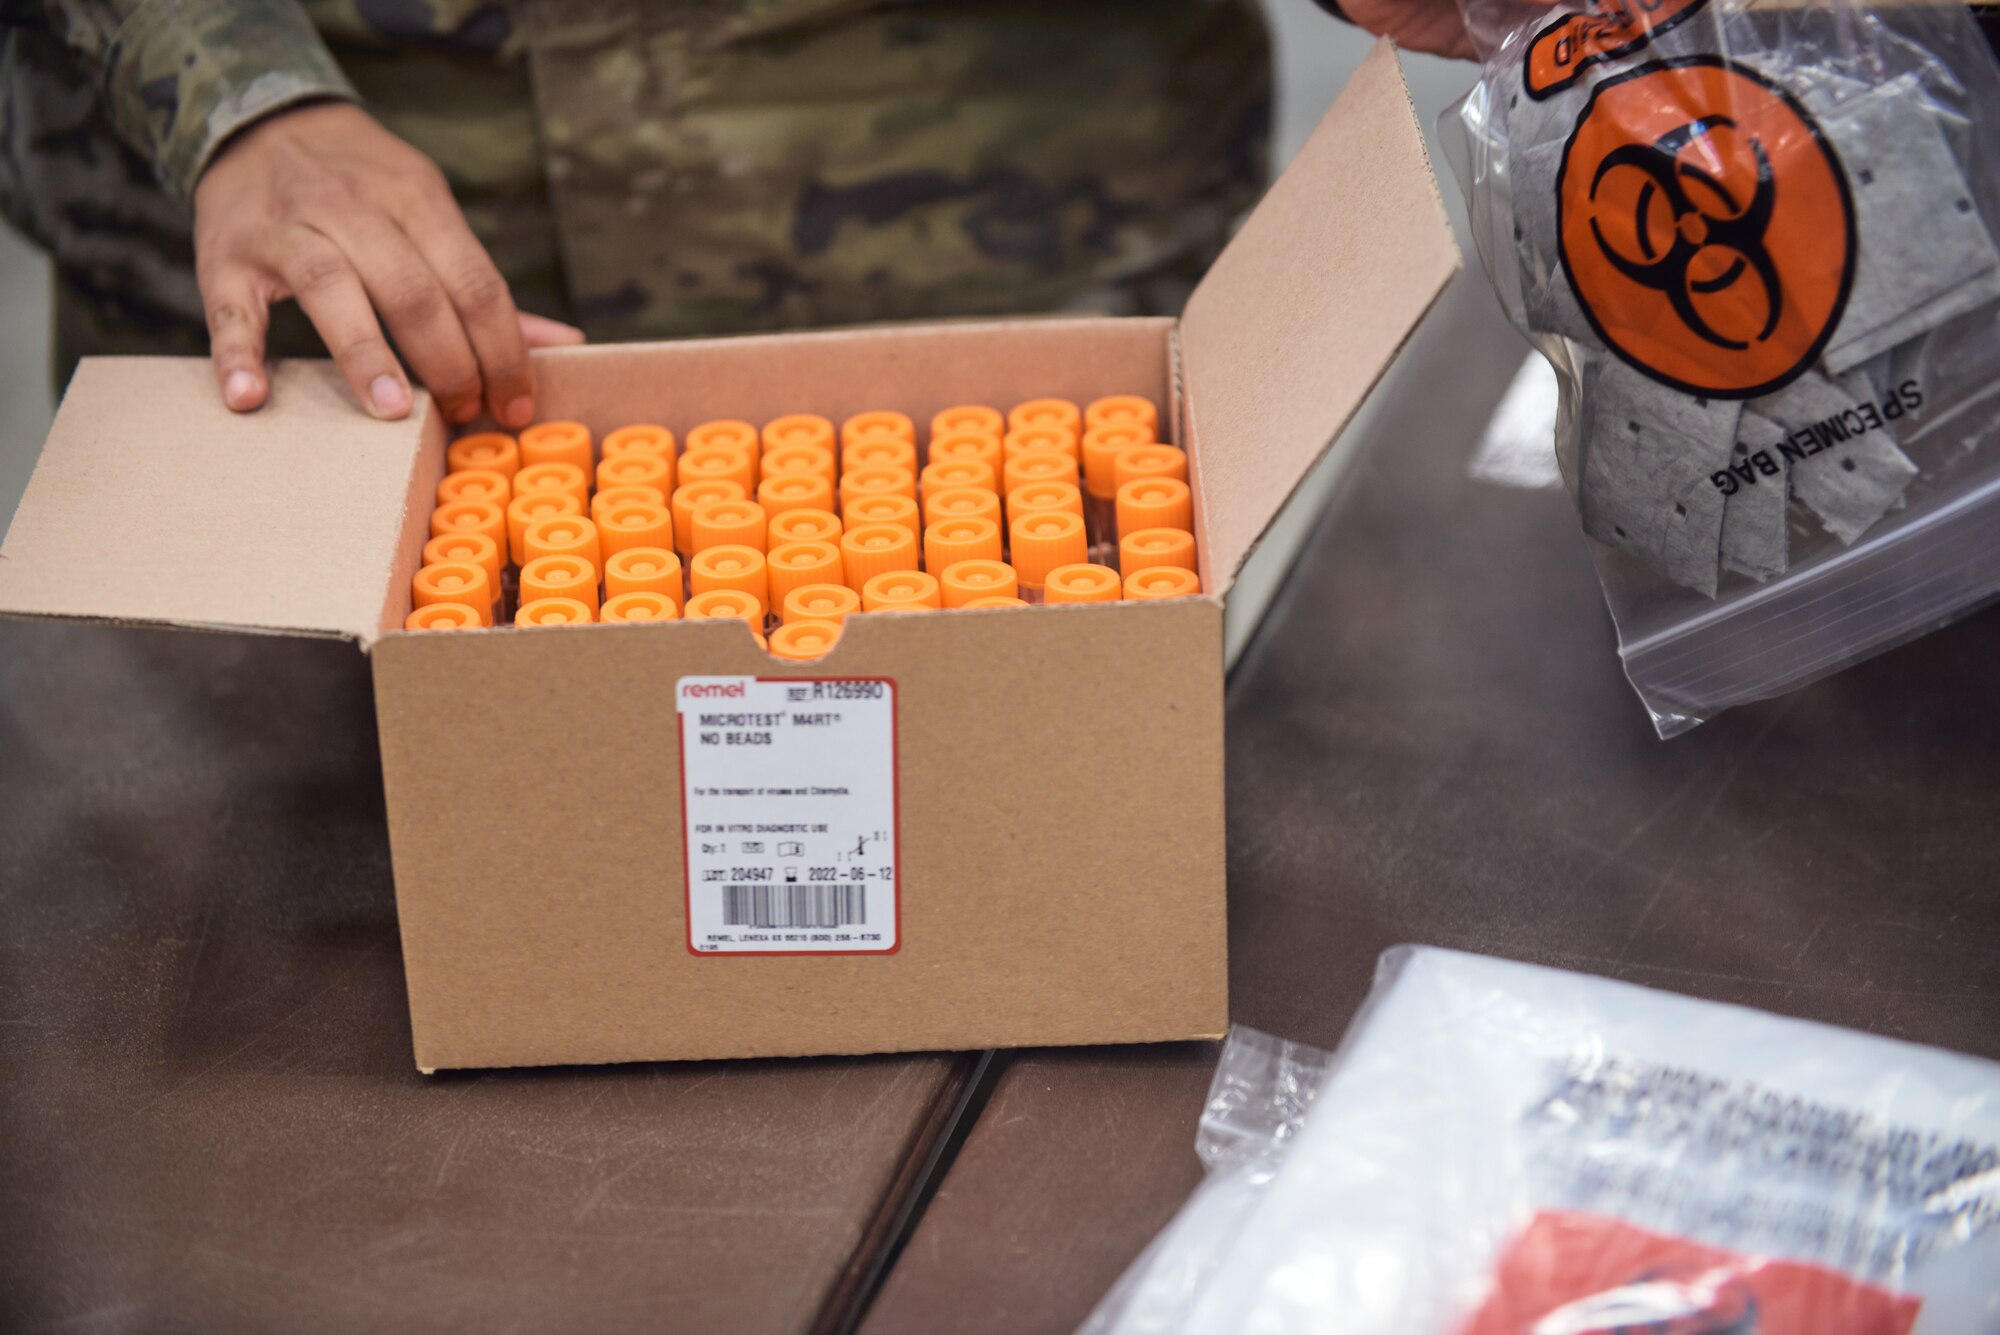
{"type": "Point", "coordinates": [1551, 305]}
{"type": "Point", "coordinates": [1756, 527]}
{"type": "Point", "coordinates": [1854, 473]}
{"type": "Point", "coordinates": [1923, 254]}
{"type": "Point", "coordinates": [1648, 457]}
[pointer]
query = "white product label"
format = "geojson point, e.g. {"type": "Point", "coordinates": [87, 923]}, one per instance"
{"type": "Point", "coordinates": [788, 814]}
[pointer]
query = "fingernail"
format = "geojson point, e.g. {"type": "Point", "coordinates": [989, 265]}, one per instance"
{"type": "Point", "coordinates": [239, 389]}
{"type": "Point", "coordinates": [389, 396]}
{"type": "Point", "coordinates": [521, 411]}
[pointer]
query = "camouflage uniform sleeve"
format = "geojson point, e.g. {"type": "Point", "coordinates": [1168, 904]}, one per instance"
{"type": "Point", "coordinates": [178, 77]}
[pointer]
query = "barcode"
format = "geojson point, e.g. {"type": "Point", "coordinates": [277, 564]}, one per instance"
{"type": "Point", "coordinates": [794, 905]}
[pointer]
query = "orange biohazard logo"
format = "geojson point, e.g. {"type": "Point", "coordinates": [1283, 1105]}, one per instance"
{"type": "Point", "coordinates": [1563, 50]}
{"type": "Point", "coordinates": [1705, 226]}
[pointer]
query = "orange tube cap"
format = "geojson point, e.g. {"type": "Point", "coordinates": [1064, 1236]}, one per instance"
{"type": "Point", "coordinates": [868, 550]}
{"type": "Point", "coordinates": [1161, 582]}
{"type": "Point", "coordinates": [639, 605]}
{"type": "Point", "coordinates": [555, 612]}
{"type": "Point", "coordinates": [560, 577]}
{"type": "Point", "coordinates": [1044, 540]}
{"type": "Point", "coordinates": [1154, 502]}
{"type": "Point", "coordinates": [821, 602]}
{"type": "Point", "coordinates": [967, 582]}
{"type": "Point", "coordinates": [731, 568]}
{"type": "Point", "coordinates": [901, 591]}
{"type": "Point", "coordinates": [444, 616]}
{"type": "Point", "coordinates": [804, 640]}
{"type": "Point", "coordinates": [484, 449]}
{"type": "Point", "coordinates": [556, 442]}
{"type": "Point", "coordinates": [949, 541]}
{"type": "Point", "coordinates": [1082, 582]}
{"type": "Point", "coordinates": [644, 570]}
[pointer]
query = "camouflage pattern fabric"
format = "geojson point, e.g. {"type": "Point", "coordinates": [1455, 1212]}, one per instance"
{"type": "Point", "coordinates": [655, 168]}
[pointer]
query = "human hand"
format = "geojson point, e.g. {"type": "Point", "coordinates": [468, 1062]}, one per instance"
{"type": "Point", "coordinates": [322, 205]}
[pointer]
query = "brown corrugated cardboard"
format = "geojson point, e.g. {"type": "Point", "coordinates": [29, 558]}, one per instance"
{"type": "Point", "coordinates": [1058, 769]}
{"type": "Point", "coordinates": [1299, 317]}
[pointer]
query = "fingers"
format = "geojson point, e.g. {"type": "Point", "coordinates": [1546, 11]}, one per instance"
{"type": "Point", "coordinates": [539, 331]}
{"type": "Point", "coordinates": [237, 317]}
{"type": "Point", "coordinates": [483, 306]}
{"type": "Point", "coordinates": [323, 280]}
{"type": "Point", "coordinates": [420, 314]}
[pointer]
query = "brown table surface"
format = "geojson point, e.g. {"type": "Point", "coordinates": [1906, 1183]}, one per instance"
{"type": "Point", "coordinates": [209, 1120]}
{"type": "Point", "coordinates": [1430, 740]}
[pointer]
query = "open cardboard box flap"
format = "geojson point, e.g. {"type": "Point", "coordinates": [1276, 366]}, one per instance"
{"type": "Point", "coordinates": [154, 503]}
{"type": "Point", "coordinates": [1307, 307]}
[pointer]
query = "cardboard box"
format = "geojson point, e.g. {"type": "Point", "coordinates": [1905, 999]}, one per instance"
{"type": "Point", "coordinates": [1059, 770]}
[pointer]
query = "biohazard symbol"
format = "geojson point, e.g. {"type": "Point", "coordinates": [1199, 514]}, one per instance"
{"type": "Point", "coordinates": [1706, 227]}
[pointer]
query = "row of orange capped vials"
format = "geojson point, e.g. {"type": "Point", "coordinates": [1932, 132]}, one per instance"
{"type": "Point", "coordinates": [794, 526]}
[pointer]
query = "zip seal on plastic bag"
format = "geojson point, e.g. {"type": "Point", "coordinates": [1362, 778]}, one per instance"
{"type": "Point", "coordinates": [1757, 243]}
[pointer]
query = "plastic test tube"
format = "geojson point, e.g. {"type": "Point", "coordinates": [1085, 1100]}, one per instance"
{"type": "Point", "coordinates": [961, 503]}
{"type": "Point", "coordinates": [477, 548]}
{"type": "Point", "coordinates": [1154, 502]}
{"type": "Point", "coordinates": [636, 470]}
{"type": "Point", "coordinates": [813, 460]}
{"type": "Point", "coordinates": [470, 517]}
{"type": "Point", "coordinates": [556, 442]}
{"type": "Point", "coordinates": [727, 605]}
{"type": "Point", "coordinates": [1123, 410]}
{"type": "Point", "coordinates": [554, 611]}
{"type": "Point", "coordinates": [718, 463]}
{"type": "Point", "coordinates": [728, 524]}
{"type": "Point", "coordinates": [484, 449]}
{"type": "Point", "coordinates": [1041, 466]}
{"type": "Point", "coordinates": [559, 577]}
{"type": "Point", "coordinates": [563, 535]}
{"type": "Point", "coordinates": [968, 417]}
{"type": "Point", "coordinates": [443, 616]}
{"type": "Point", "coordinates": [624, 524]}
{"type": "Point", "coordinates": [1046, 412]}
{"type": "Point", "coordinates": [802, 526]}
{"type": "Point", "coordinates": [949, 541]}
{"type": "Point", "coordinates": [639, 605]}
{"type": "Point", "coordinates": [1042, 541]}
{"type": "Point", "coordinates": [779, 492]}
{"type": "Point", "coordinates": [639, 438]}
{"type": "Point", "coordinates": [1038, 440]}
{"type": "Point", "coordinates": [880, 452]}
{"type": "Point", "coordinates": [1161, 582]}
{"type": "Point", "coordinates": [881, 510]}
{"type": "Point", "coordinates": [945, 474]}
{"type": "Point", "coordinates": [733, 568]}
{"type": "Point", "coordinates": [868, 550]}
{"type": "Point", "coordinates": [475, 484]}
{"type": "Point", "coordinates": [821, 602]}
{"type": "Point", "coordinates": [1143, 549]}
{"type": "Point", "coordinates": [1032, 496]}
{"type": "Point", "coordinates": [461, 582]}
{"type": "Point", "coordinates": [1083, 582]}
{"type": "Point", "coordinates": [726, 431]}
{"type": "Point", "coordinates": [798, 429]}
{"type": "Point", "coordinates": [1101, 447]}
{"type": "Point", "coordinates": [964, 583]}
{"type": "Point", "coordinates": [562, 478]}
{"type": "Point", "coordinates": [1149, 461]}
{"type": "Point", "coordinates": [691, 495]}
{"type": "Point", "coordinates": [901, 591]}
{"type": "Point", "coordinates": [525, 510]}
{"type": "Point", "coordinates": [610, 496]}
{"type": "Point", "coordinates": [804, 640]}
{"type": "Point", "coordinates": [967, 446]}
{"type": "Point", "coordinates": [890, 480]}
{"type": "Point", "coordinates": [644, 570]}
{"type": "Point", "coordinates": [880, 422]}
{"type": "Point", "coordinates": [793, 565]}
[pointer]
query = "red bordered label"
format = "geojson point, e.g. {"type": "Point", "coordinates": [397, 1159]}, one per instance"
{"type": "Point", "coordinates": [790, 802]}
